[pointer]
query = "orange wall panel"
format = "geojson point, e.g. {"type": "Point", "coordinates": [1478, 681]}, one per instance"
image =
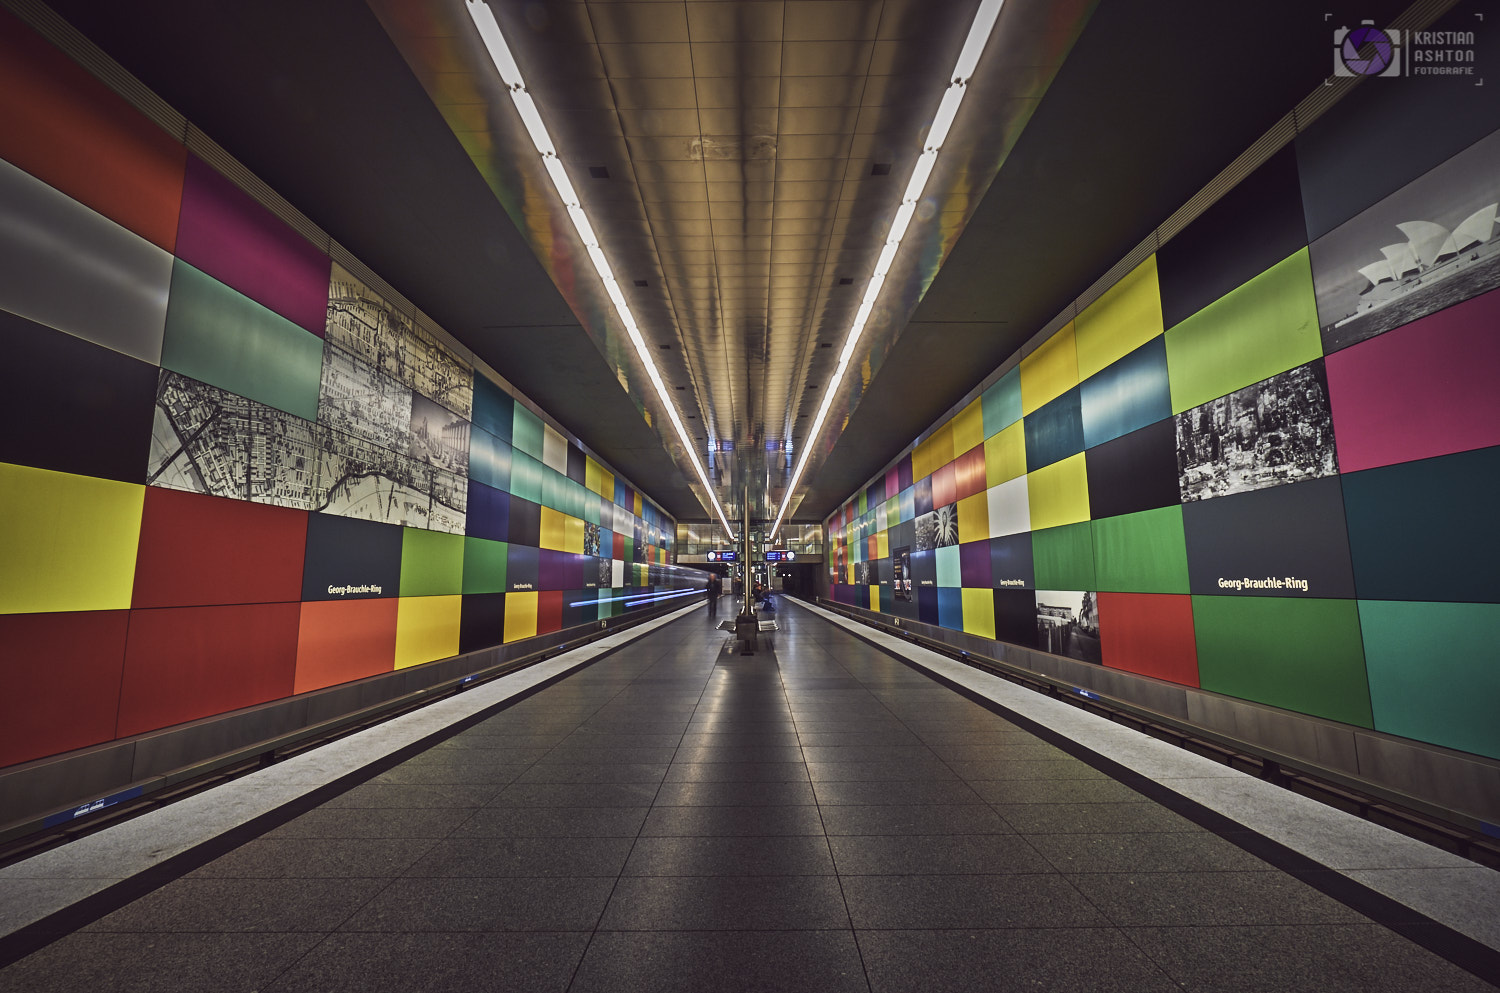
{"type": "Point", "coordinates": [340, 640]}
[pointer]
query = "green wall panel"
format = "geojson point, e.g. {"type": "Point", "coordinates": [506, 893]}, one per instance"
{"type": "Point", "coordinates": [1302, 655]}
{"type": "Point", "coordinates": [484, 565]}
{"type": "Point", "coordinates": [1001, 403]}
{"type": "Point", "coordinates": [1141, 553]}
{"type": "Point", "coordinates": [525, 477]}
{"type": "Point", "coordinates": [1064, 557]}
{"type": "Point", "coordinates": [526, 433]}
{"type": "Point", "coordinates": [432, 563]}
{"type": "Point", "coordinates": [949, 567]}
{"type": "Point", "coordinates": [554, 488]}
{"type": "Point", "coordinates": [1266, 326]}
{"type": "Point", "coordinates": [1433, 674]}
{"type": "Point", "coordinates": [221, 337]}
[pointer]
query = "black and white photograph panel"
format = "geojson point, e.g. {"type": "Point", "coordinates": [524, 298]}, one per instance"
{"type": "Point", "coordinates": [1067, 623]}
{"type": "Point", "coordinates": [1277, 431]}
{"type": "Point", "coordinates": [1429, 245]}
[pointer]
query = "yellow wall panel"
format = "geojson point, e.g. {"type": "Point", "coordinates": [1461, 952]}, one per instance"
{"type": "Point", "coordinates": [883, 545]}
{"type": "Point", "coordinates": [572, 534]}
{"type": "Point", "coordinates": [606, 484]}
{"type": "Point", "coordinates": [638, 505]}
{"type": "Point", "coordinates": [1005, 454]}
{"type": "Point", "coordinates": [979, 613]}
{"type": "Point", "coordinates": [1050, 371]}
{"type": "Point", "coordinates": [593, 476]}
{"type": "Point", "coordinates": [66, 542]}
{"type": "Point", "coordinates": [426, 629]}
{"type": "Point", "coordinates": [974, 517]}
{"type": "Point", "coordinates": [932, 454]}
{"type": "Point", "coordinates": [520, 615]}
{"type": "Point", "coordinates": [554, 530]}
{"type": "Point", "coordinates": [968, 428]}
{"type": "Point", "coordinates": [1059, 493]}
{"type": "Point", "coordinates": [1126, 317]}
{"type": "Point", "coordinates": [875, 598]}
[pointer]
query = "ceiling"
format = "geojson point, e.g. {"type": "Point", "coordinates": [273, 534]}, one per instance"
{"type": "Point", "coordinates": [741, 142]}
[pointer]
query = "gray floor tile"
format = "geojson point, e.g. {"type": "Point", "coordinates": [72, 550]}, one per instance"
{"type": "Point", "coordinates": [792, 855]}
{"type": "Point", "coordinates": [1062, 960]}
{"type": "Point", "coordinates": [894, 792]}
{"type": "Point", "coordinates": [161, 963]}
{"type": "Point", "coordinates": [734, 794]}
{"type": "Point", "coordinates": [451, 775]}
{"type": "Point", "coordinates": [1057, 791]}
{"type": "Point", "coordinates": [576, 795]}
{"type": "Point", "coordinates": [384, 822]}
{"type": "Point", "coordinates": [873, 855]}
{"type": "Point", "coordinates": [1092, 818]}
{"type": "Point", "coordinates": [782, 737]}
{"type": "Point", "coordinates": [859, 739]}
{"type": "Point", "coordinates": [572, 772]}
{"type": "Point", "coordinates": [737, 772]}
{"type": "Point", "coordinates": [1054, 768]}
{"type": "Point", "coordinates": [733, 821]}
{"type": "Point", "coordinates": [477, 857]}
{"type": "Point", "coordinates": [1025, 900]}
{"type": "Point", "coordinates": [725, 903]}
{"type": "Point", "coordinates": [370, 795]}
{"type": "Point", "coordinates": [739, 753]}
{"type": "Point", "coordinates": [436, 963]}
{"type": "Point", "coordinates": [868, 753]}
{"type": "Point", "coordinates": [605, 755]}
{"type": "Point", "coordinates": [931, 770]}
{"type": "Point", "coordinates": [553, 822]}
{"type": "Point", "coordinates": [1035, 751]}
{"type": "Point", "coordinates": [908, 819]}
{"type": "Point", "coordinates": [1133, 899]}
{"type": "Point", "coordinates": [1158, 852]}
{"type": "Point", "coordinates": [317, 858]}
{"type": "Point", "coordinates": [721, 962]}
{"type": "Point", "coordinates": [1329, 958]}
{"type": "Point", "coordinates": [206, 904]}
{"type": "Point", "coordinates": [456, 904]}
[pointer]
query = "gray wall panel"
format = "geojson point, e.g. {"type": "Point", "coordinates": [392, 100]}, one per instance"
{"type": "Point", "coordinates": [77, 271]}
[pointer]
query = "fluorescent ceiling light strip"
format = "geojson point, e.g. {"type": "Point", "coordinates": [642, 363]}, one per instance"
{"type": "Point", "coordinates": [937, 133]}
{"type": "Point", "coordinates": [510, 74]}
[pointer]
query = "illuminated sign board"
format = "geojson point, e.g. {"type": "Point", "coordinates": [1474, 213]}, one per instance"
{"type": "Point", "coordinates": [723, 556]}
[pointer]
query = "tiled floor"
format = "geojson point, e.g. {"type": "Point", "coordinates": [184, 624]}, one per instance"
{"type": "Point", "coordinates": [677, 818]}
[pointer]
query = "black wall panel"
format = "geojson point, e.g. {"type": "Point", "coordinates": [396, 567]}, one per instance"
{"type": "Point", "coordinates": [73, 406]}
{"type": "Point", "coordinates": [1288, 532]}
{"type": "Point", "coordinates": [344, 552]}
{"type": "Point", "coordinates": [1255, 226]}
{"type": "Point", "coordinates": [482, 621]}
{"type": "Point", "coordinates": [1015, 617]}
{"type": "Point", "coordinates": [1135, 472]}
{"type": "Point", "coordinates": [525, 525]}
{"type": "Point", "coordinates": [1010, 559]}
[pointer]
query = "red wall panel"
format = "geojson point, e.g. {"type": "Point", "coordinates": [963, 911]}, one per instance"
{"type": "Point", "coordinates": [944, 486]}
{"type": "Point", "coordinates": [549, 611]}
{"type": "Point", "coordinates": [69, 130]}
{"type": "Point", "coordinates": [969, 468]}
{"type": "Point", "coordinates": [1150, 634]}
{"type": "Point", "coordinates": [198, 550]}
{"type": "Point", "coordinates": [183, 663]}
{"type": "Point", "coordinates": [340, 640]}
{"type": "Point", "coordinates": [59, 681]}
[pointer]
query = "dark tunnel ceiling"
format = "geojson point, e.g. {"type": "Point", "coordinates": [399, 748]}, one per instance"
{"type": "Point", "coordinates": [314, 98]}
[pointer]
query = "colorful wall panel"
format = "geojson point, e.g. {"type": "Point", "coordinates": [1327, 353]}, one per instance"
{"type": "Point", "coordinates": [1256, 465]}
{"type": "Point", "coordinates": [238, 472]}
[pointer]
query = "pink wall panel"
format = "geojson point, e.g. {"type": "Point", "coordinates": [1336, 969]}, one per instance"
{"type": "Point", "coordinates": [227, 234]}
{"type": "Point", "coordinates": [1429, 388]}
